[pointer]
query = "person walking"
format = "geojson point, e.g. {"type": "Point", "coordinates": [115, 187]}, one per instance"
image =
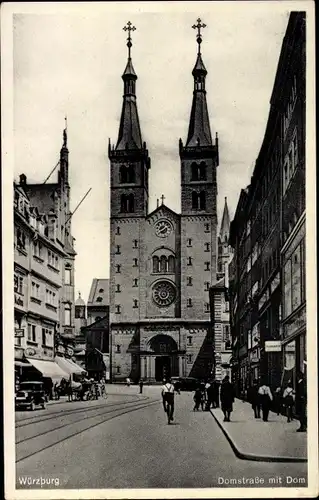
{"type": "Point", "coordinates": [265, 399]}
{"type": "Point", "coordinates": [227, 397]}
{"type": "Point", "coordinates": [198, 399]}
{"type": "Point", "coordinates": [288, 399]}
{"type": "Point", "coordinates": [141, 383]}
{"type": "Point", "coordinates": [168, 393]}
{"type": "Point", "coordinates": [301, 399]}
{"type": "Point", "coordinates": [254, 398]}
{"type": "Point", "coordinates": [277, 400]}
{"type": "Point", "coordinates": [209, 396]}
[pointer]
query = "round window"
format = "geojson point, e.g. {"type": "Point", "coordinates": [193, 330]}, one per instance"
{"type": "Point", "coordinates": [164, 293]}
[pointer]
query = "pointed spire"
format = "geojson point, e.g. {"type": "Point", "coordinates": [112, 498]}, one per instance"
{"type": "Point", "coordinates": [65, 136]}
{"type": "Point", "coordinates": [129, 133]}
{"type": "Point", "coordinates": [199, 133]}
{"type": "Point", "coordinates": [225, 225]}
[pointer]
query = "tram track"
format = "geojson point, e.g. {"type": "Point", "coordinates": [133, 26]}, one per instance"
{"type": "Point", "coordinates": [35, 419]}
{"type": "Point", "coordinates": [24, 445]}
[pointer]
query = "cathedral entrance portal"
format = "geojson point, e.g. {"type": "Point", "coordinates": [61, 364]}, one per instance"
{"type": "Point", "coordinates": [162, 367]}
{"type": "Point", "coordinates": [164, 350]}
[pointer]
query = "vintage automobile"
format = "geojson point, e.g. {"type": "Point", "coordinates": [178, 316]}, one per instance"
{"type": "Point", "coordinates": [30, 395]}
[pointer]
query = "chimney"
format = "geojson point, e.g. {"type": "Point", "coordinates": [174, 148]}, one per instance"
{"type": "Point", "coordinates": [23, 179]}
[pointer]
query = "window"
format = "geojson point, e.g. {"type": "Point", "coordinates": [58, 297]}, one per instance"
{"type": "Point", "coordinates": [118, 288]}
{"type": "Point", "coordinates": [50, 297]}
{"type": "Point", "coordinates": [206, 307]}
{"type": "Point", "coordinates": [189, 242]}
{"type": "Point", "coordinates": [135, 244]}
{"type": "Point", "coordinates": [67, 276]}
{"type": "Point", "coordinates": [171, 264]}
{"type": "Point", "coordinates": [189, 303]}
{"type": "Point", "coordinates": [190, 260]}
{"type": "Point", "coordinates": [207, 228]}
{"type": "Point", "coordinates": [118, 249]}
{"type": "Point", "coordinates": [189, 341]}
{"type": "Point", "coordinates": [194, 200]}
{"type": "Point", "coordinates": [118, 230]}
{"type": "Point", "coordinates": [156, 266]}
{"type": "Point", "coordinates": [189, 281]}
{"type": "Point", "coordinates": [199, 200]}
{"type": "Point", "coordinates": [35, 290]}
{"type": "Point", "coordinates": [163, 264]}
{"type": "Point", "coordinates": [207, 247]}
{"type": "Point", "coordinates": [207, 266]}
{"type": "Point", "coordinates": [189, 358]}
{"type": "Point", "coordinates": [127, 203]}
{"type": "Point", "coordinates": [226, 306]}
{"type": "Point", "coordinates": [202, 171]}
{"type": "Point", "coordinates": [290, 162]}
{"type": "Point", "coordinates": [20, 239]}
{"type": "Point", "coordinates": [118, 370]}
{"type": "Point", "coordinates": [135, 282]}
{"type": "Point", "coordinates": [118, 348]}
{"type": "Point", "coordinates": [67, 314]}
{"type": "Point", "coordinates": [202, 200]}
{"type": "Point", "coordinates": [118, 268]}
{"type": "Point", "coordinates": [99, 299]}
{"type": "Point", "coordinates": [135, 264]}
{"type": "Point", "coordinates": [118, 309]}
{"type": "Point", "coordinates": [206, 286]}
{"type": "Point", "coordinates": [18, 284]}
{"type": "Point", "coordinates": [32, 333]}
{"type": "Point", "coordinates": [43, 337]}
{"type": "Point", "coordinates": [194, 172]}
{"type": "Point", "coordinates": [135, 303]}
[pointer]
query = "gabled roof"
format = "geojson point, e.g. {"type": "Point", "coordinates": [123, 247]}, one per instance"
{"type": "Point", "coordinates": [41, 195]}
{"type": "Point", "coordinates": [164, 208]}
{"type": "Point", "coordinates": [100, 323]}
{"type": "Point", "coordinates": [99, 290]}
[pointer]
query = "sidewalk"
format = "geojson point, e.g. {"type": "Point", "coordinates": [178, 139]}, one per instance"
{"type": "Point", "coordinates": [253, 439]}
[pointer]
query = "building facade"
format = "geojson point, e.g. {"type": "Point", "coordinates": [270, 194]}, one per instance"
{"type": "Point", "coordinates": [43, 267]}
{"type": "Point", "coordinates": [261, 224]}
{"type": "Point", "coordinates": [162, 263]}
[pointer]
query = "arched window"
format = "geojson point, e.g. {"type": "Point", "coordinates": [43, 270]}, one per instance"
{"type": "Point", "coordinates": [123, 174]}
{"type": "Point", "coordinates": [202, 171]}
{"type": "Point", "coordinates": [202, 200]}
{"type": "Point", "coordinates": [123, 203]}
{"type": "Point", "coordinates": [171, 264]}
{"type": "Point", "coordinates": [163, 264]}
{"type": "Point", "coordinates": [194, 168]}
{"type": "Point", "coordinates": [194, 200]}
{"type": "Point", "coordinates": [131, 203]}
{"type": "Point", "coordinates": [156, 266]}
{"type": "Point", "coordinates": [131, 174]}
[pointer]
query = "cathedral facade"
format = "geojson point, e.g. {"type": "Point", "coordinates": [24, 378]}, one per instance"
{"type": "Point", "coordinates": [163, 263]}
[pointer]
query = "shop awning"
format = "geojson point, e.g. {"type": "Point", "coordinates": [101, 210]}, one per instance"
{"type": "Point", "coordinates": [22, 364]}
{"type": "Point", "coordinates": [69, 366]}
{"type": "Point", "coordinates": [49, 369]}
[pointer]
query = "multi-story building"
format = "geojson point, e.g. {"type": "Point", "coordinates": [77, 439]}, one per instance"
{"type": "Point", "coordinates": [98, 304]}
{"type": "Point", "coordinates": [44, 266]}
{"type": "Point", "coordinates": [263, 217]}
{"type": "Point", "coordinates": [162, 263]}
{"type": "Point", "coordinates": [293, 251]}
{"type": "Point", "coordinates": [219, 303]}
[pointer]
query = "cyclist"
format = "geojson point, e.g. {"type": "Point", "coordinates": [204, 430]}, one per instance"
{"type": "Point", "coordinates": [168, 392]}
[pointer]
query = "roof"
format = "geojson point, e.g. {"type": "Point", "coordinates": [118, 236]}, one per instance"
{"type": "Point", "coordinates": [99, 293]}
{"type": "Point", "coordinates": [41, 195]}
{"type": "Point", "coordinates": [79, 301]}
{"type": "Point", "coordinates": [199, 65]}
{"type": "Point", "coordinates": [164, 209]}
{"type": "Point", "coordinates": [98, 324]}
{"type": "Point", "coordinates": [129, 70]}
{"type": "Point", "coordinates": [199, 133]}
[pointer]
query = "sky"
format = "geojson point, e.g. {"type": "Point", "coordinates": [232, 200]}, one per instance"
{"type": "Point", "coordinates": [68, 60]}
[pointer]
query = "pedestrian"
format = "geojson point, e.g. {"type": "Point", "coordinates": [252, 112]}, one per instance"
{"type": "Point", "coordinates": [227, 397]}
{"type": "Point", "coordinates": [198, 399]}
{"type": "Point", "coordinates": [265, 399]}
{"type": "Point", "coordinates": [254, 398]}
{"type": "Point", "coordinates": [301, 399]}
{"type": "Point", "coordinates": [141, 386]}
{"type": "Point", "coordinates": [168, 393]}
{"type": "Point", "coordinates": [208, 388]}
{"type": "Point", "coordinates": [216, 389]}
{"type": "Point", "coordinates": [128, 381]}
{"type": "Point", "coordinates": [288, 400]}
{"type": "Point", "coordinates": [277, 400]}
{"type": "Point", "coordinates": [56, 391]}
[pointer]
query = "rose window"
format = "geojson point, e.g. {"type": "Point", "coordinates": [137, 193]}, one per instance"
{"type": "Point", "coordinates": [164, 293]}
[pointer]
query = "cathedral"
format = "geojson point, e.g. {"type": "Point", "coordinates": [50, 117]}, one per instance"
{"type": "Point", "coordinates": [162, 263]}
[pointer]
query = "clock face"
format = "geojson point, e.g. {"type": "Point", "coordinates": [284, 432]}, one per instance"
{"type": "Point", "coordinates": [163, 228]}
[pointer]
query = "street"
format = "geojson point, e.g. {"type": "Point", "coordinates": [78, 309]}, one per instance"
{"type": "Point", "coordinates": [124, 442]}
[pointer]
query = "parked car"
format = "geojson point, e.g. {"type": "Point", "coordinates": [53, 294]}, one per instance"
{"type": "Point", "coordinates": [185, 383]}
{"type": "Point", "coordinates": [30, 395]}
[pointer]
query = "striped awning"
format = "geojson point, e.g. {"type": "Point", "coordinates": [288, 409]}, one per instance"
{"type": "Point", "coordinates": [48, 369]}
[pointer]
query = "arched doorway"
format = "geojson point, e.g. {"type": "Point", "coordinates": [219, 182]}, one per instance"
{"type": "Point", "coordinates": [165, 350]}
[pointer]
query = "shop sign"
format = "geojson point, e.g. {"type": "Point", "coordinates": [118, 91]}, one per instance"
{"type": "Point", "coordinates": [30, 351]}
{"type": "Point", "coordinates": [272, 345]}
{"type": "Point", "coordinates": [19, 332]}
{"type": "Point", "coordinates": [18, 300]}
{"type": "Point", "coordinates": [18, 352]}
{"type": "Point", "coordinates": [297, 322]}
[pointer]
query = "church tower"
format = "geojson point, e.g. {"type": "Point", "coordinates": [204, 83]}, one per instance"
{"type": "Point", "coordinates": [199, 160]}
{"type": "Point", "coordinates": [224, 249]}
{"type": "Point", "coordinates": [129, 163]}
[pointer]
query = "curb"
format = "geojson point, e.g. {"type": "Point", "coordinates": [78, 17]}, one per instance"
{"type": "Point", "coordinates": [252, 456]}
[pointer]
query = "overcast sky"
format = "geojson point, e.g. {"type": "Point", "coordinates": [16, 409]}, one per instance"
{"type": "Point", "coordinates": [71, 62]}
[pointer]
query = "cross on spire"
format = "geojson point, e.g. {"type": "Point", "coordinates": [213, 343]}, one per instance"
{"type": "Point", "coordinates": [128, 27]}
{"type": "Point", "coordinates": [162, 198]}
{"type": "Point", "coordinates": [199, 26]}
